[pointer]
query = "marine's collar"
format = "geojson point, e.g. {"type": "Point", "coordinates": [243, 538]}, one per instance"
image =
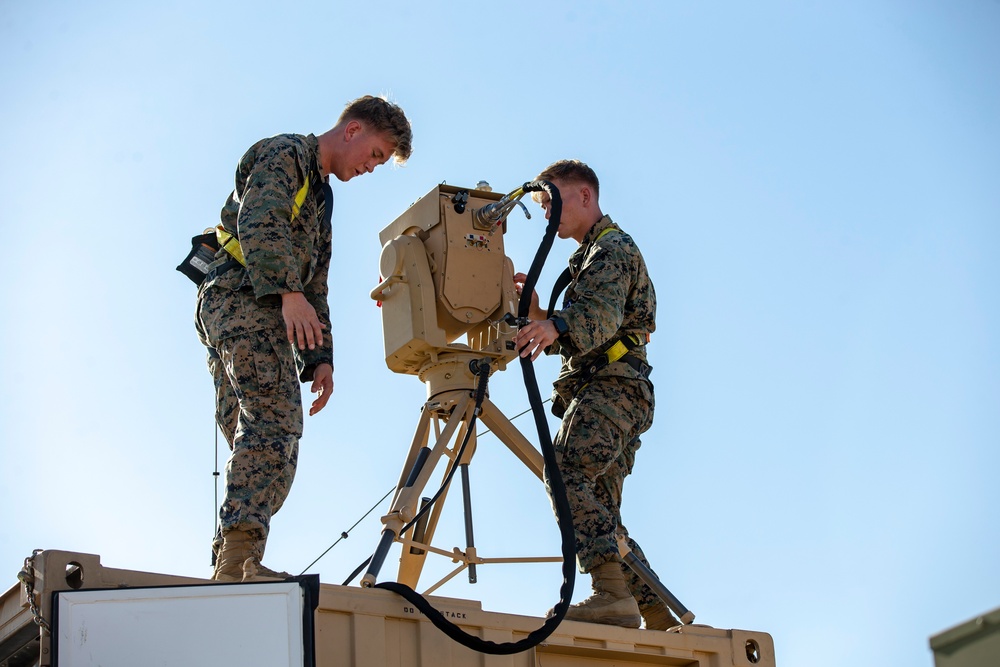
{"type": "Point", "coordinates": [599, 226]}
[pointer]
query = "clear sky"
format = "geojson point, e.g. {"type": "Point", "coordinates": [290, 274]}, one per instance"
{"type": "Point", "coordinates": [815, 189]}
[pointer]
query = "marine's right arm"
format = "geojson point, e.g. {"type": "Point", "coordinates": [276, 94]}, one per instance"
{"type": "Point", "coordinates": [273, 176]}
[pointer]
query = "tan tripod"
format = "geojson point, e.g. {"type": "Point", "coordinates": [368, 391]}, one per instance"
{"type": "Point", "coordinates": [451, 388]}
{"type": "Point", "coordinates": [445, 275]}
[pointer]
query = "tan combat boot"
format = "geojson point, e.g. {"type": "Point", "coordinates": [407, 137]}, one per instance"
{"type": "Point", "coordinates": [658, 617]}
{"type": "Point", "coordinates": [236, 548]}
{"type": "Point", "coordinates": [611, 603]}
{"type": "Point", "coordinates": [253, 570]}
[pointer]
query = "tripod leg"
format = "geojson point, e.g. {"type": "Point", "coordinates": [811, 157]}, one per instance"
{"type": "Point", "coordinates": [420, 465]}
{"type": "Point", "coordinates": [411, 562]}
{"type": "Point", "coordinates": [510, 436]}
{"type": "Point", "coordinates": [418, 450]}
{"type": "Point", "coordinates": [470, 539]}
{"type": "Point", "coordinates": [378, 558]}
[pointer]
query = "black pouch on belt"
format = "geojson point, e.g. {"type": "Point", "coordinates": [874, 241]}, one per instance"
{"type": "Point", "coordinates": [203, 249]}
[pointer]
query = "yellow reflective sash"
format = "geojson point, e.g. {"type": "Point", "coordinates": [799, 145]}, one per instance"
{"type": "Point", "coordinates": [606, 231]}
{"type": "Point", "coordinates": [300, 198]}
{"type": "Point", "coordinates": [231, 244]}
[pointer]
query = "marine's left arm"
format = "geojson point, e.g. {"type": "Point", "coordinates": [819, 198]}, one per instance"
{"type": "Point", "coordinates": [316, 292]}
{"type": "Point", "coordinates": [601, 293]}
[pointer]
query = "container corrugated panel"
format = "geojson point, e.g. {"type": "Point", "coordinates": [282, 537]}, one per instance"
{"type": "Point", "coordinates": [358, 627]}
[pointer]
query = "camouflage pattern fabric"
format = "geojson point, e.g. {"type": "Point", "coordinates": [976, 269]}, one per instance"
{"type": "Point", "coordinates": [260, 471]}
{"type": "Point", "coordinates": [610, 295]}
{"type": "Point", "coordinates": [227, 405]}
{"type": "Point", "coordinates": [284, 252]}
{"type": "Point", "coordinates": [255, 369]}
{"type": "Point", "coordinates": [595, 454]}
{"type": "Point", "coordinates": [270, 494]}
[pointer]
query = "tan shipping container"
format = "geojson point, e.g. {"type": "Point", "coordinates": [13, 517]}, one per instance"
{"type": "Point", "coordinates": [362, 627]}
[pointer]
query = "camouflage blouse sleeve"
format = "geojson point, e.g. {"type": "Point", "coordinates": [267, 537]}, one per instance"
{"type": "Point", "coordinates": [317, 292]}
{"type": "Point", "coordinates": [264, 222]}
{"type": "Point", "coordinates": [600, 295]}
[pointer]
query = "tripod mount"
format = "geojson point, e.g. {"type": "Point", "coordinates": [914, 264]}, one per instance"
{"type": "Point", "coordinates": [446, 275]}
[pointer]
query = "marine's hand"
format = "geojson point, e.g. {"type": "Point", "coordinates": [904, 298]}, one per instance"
{"type": "Point", "coordinates": [301, 323]}
{"type": "Point", "coordinates": [323, 386]}
{"type": "Point", "coordinates": [534, 337]}
{"type": "Point", "coordinates": [534, 312]}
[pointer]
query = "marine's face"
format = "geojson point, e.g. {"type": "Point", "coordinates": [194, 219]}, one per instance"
{"type": "Point", "coordinates": [363, 150]}
{"type": "Point", "coordinates": [572, 219]}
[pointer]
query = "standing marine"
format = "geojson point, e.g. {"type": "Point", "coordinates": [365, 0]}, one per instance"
{"type": "Point", "coordinates": [602, 394]}
{"type": "Point", "coordinates": [264, 316]}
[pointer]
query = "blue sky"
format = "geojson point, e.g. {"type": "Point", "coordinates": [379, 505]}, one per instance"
{"type": "Point", "coordinates": [814, 187]}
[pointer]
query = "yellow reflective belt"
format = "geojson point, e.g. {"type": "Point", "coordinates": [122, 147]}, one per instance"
{"type": "Point", "coordinates": [231, 244]}
{"type": "Point", "coordinates": [619, 349]}
{"type": "Point", "coordinates": [616, 352]}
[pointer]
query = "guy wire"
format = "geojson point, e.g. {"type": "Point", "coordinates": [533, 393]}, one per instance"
{"type": "Point", "coordinates": [482, 433]}
{"type": "Point", "coordinates": [343, 535]}
{"type": "Point", "coordinates": [215, 474]}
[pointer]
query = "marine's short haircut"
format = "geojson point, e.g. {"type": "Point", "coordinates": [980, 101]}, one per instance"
{"type": "Point", "coordinates": [383, 116]}
{"type": "Point", "coordinates": [570, 170]}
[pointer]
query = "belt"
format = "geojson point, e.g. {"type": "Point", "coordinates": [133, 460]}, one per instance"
{"type": "Point", "coordinates": [222, 268]}
{"type": "Point", "coordinates": [638, 364]}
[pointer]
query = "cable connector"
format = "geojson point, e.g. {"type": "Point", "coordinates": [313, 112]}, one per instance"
{"type": "Point", "coordinates": [514, 321]}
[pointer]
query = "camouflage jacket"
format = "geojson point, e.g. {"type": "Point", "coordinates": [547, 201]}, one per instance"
{"type": "Point", "coordinates": [610, 295]}
{"type": "Point", "coordinates": [287, 246]}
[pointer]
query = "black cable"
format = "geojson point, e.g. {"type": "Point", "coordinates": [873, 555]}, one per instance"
{"type": "Point", "coordinates": [557, 488]}
{"type": "Point", "coordinates": [564, 516]}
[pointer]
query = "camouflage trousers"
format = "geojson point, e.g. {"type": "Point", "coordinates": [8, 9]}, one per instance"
{"type": "Point", "coordinates": [595, 449]}
{"type": "Point", "coordinates": [258, 405]}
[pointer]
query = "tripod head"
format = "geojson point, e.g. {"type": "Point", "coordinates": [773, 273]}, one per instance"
{"type": "Point", "coordinates": [446, 275]}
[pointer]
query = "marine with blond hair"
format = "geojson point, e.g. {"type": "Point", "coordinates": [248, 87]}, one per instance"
{"type": "Point", "coordinates": [263, 312]}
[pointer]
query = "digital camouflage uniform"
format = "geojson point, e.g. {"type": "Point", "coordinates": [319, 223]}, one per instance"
{"type": "Point", "coordinates": [287, 245]}
{"type": "Point", "coordinates": [610, 295]}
